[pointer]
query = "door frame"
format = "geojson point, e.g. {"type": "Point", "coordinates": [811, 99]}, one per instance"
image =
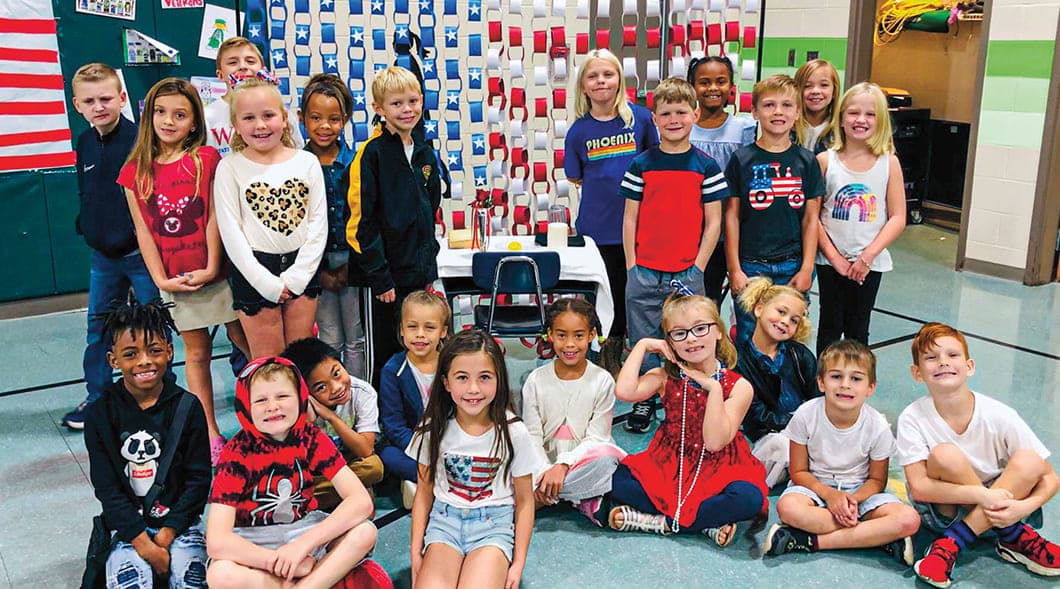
{"type": "Point", "coordinates": [1045, 218]}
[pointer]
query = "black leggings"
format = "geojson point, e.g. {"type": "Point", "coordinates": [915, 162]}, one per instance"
{"type": "Point", "coordinates": [846, 306]}
{"type": "Point", "coordinates": [615, 264]}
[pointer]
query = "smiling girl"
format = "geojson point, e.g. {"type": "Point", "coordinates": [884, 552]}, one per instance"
{"type": "Point", "coordinates": [818, 83]}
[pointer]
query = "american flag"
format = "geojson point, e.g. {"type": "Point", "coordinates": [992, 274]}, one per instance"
{"type": "Point", "coordinates": [469, 477]}
{"type": "Point", "coordinates": [34, 129]}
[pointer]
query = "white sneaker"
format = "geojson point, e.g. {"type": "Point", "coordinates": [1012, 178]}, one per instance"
{"type": "Point", "coordinates": [408, 493]}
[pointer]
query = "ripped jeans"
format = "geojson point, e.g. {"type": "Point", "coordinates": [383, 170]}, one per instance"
{"type": "Point", "coordinates": [187, 563]}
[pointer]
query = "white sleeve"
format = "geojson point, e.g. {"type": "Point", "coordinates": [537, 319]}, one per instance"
{"type": "Point", "coordinates": [912, 446]}
{"type": "Point", "coordinates": [531, 412]}
{"type": "Point", "coordinates": [226, 199]}
{"type": "Point", "coordinates": [526, 459]}
{"type": "Point", "coordinates": [798, 429]}
{"type": "Point", "coordinates": [367, 405]}
{"type": "Point", "coordinates": [883, 444]}
{"type": "Point", "coordinates": [599, 429]}
{"type": "Point", "coordinates": [312, 250]}
{"type": "Point", "coordinates": [420, 448]}
{"type": "Point", "coordinates": [1017, 435]}
{"type": "Point", "coordinates": [296, 130]}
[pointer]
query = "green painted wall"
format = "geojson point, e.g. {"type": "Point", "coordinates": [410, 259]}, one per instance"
{"type": "Point", "coordinates": [776, 50]}
{"type": "Point", "coordinates": [1015, 93]}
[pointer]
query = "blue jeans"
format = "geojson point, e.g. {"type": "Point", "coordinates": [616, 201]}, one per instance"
{"type": "Point", "coordinates": [646, 291]}
{"type": "Point", "coordinates": [396, 462]}
{"type": "Point", "coordinates": [779, 272]}
{"type": "Point", "coordinates": [109, 281]}
{"type": "Point", "coordinates": [187, 563]}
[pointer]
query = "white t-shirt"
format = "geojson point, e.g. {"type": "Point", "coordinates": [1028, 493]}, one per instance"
{"type": "Point", "coordinates": [219, 130]}
{"type": "Point", "coordinates": [423, 382]}
{"type": "Point", "coordinates": [840, 455]}
{"type": "Point", "coordinates": [812, 135]}
{"type": "Point", "coordinates": [993, 435]}
{"type": "Point", "coordinates": [565, 417]}
{"type": "Point", "coordinates": [467, 470]}
{"type": "Point", "coordinates": [361, 412]}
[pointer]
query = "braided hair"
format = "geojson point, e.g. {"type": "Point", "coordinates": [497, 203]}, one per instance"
{"type": "Point", "coordinates": [151, 318]}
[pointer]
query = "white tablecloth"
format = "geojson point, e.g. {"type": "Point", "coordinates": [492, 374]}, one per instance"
{"type": "Point", "coordinates": [576, 263]}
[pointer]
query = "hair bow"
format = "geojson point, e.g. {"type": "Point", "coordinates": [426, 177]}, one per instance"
{"type": "Point", "coordinates": [680, 287]}
{"type": "Point", "coordinates": [235, 79]}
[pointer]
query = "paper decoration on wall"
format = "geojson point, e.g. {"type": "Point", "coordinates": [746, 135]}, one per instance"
{"type": "Point", "coordinates": [183, 3]}
{"type": "Point", "coordinates": [125, 9]}
{"type": "Point", "coordinates": [218, 24]}
{"type": "Point", "coordinates": [210, 88]}
{"type": "Point", "coordinates": [141, 49]}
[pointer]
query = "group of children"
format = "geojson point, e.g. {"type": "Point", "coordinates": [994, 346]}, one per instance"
{"type": "Point", "coordinates": [305, 229]}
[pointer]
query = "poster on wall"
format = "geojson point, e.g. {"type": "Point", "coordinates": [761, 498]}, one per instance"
{"type": "Point", "coordinates": [218, 24]}
{"type": "Point", "coordinates": [210, 88]}
{"type": "Point", "coordinates": [183, 3]}
{"type": "Point", "coordinates": [125, 9]}
{"type": "Point", "coordinates": [141, 49]}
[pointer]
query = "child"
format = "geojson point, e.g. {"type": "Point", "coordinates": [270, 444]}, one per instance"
{"type": "Point", "coordinates": [972, 464]}
{"type": "Point", "coordinates": [568, 406]}
{"type": "Point", "coordinates": [474, 507]}
{"type": "Point", "coordinates": [238, 57]}
{"type": "Point", "coordinates": [771, 219]}
{"type": "Point", "coordinates": [817, 82]}
{"type": "Point", "coordinates": [781, 369]}
{"type": "Point", "coordinates": [344, 407]}
{"type": "Point", "coordinates": [698, 473]}
{"type": "Point", "coordinates": [394, 189]}
{"type": "Point", "coordinates": [673, 198]}
{"type": "Point", "coordinates": [607, 134]}
{"type": "Point", "coordinates": [273, 221]}
{"type": "Point", "coordinates": [264, 529]}
{"type": "Point", "coordinates": [115, 264]}
{"type": "Point", "coordinates": [325, 110]}
{"type": "Point", "coordinates": [168, 183]}
{"type": "Point", "coordinates": [840, 449]}
{"type": "Point", "coordinates": [859, 169]}
{"type": "Point", "coordinates": [718, 135]}
{"type": "Point", "coordinates": [125, 434]}
{"type": "Point", "coordinates": [406, 383]}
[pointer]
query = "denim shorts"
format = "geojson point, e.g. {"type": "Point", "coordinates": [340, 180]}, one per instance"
{"type": "Point", "coordinates": [247, 299]}
{"type": "Point", "coordinates": [467, 530]}
{"type": "Point", "coordinates": [936, 521]}
{"type": "Point", "coordinates": [866, 506]}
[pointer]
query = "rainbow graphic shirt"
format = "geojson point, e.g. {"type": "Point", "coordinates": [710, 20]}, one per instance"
{"type": "Point", "coordinates": [855, 202]}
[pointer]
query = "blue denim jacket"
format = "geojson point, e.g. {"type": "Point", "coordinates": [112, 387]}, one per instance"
{"type": "Point", "coordinates": [338, 210]}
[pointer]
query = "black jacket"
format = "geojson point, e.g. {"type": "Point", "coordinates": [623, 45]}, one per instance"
{"type": "Point", "coordinates": [764, 415]}
{"type": "Point", "coordinates": [104, 215]}
{"type": "Point", "coordinates": [117, 430]}
{"type": "Point", "coordinates": [392, 207]}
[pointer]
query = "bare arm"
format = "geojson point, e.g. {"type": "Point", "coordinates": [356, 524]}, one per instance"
{"type": "Point", "coordinates": [824, 242]}
{"type": "Point", "coordinates": [224, 544]}
{"type": "Point", "coordinates": [149, 250]}
{"type": "Point", "coordinates": [421, 509]}
{"type": "Point", "coordinates": [524, 528]}
{"type": "Point", "coordinates": [723, 416]}
{"type": "Point", "coordinates": [629, 232]}
{"type": "Point", "coordinates": [876, 482]}
{"type": "Point", "coordinates": [361, 444]}
{"type": "Point", "coordinates": [737, 278]}
{"type": "Point", "coordinates": [803, 279]}
{"type": "Point", "coordinates": [214, 251]}
{"type": "Point", "coordinates": [631, 385]}
{"type": "Point", "coordinates": [892, 228]}
{"type": "Point", "coordinates": [711, 231]}
{"type": "Point", "coordinates": [925, 489]}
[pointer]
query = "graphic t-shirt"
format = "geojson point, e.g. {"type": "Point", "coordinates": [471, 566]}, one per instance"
{"type": "Point", "coordinates": [854, 210]}
{"type": "Point", "coordinates": [177, 210]}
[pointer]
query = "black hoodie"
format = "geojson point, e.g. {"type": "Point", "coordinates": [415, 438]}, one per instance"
{"type": "Point", "coordinates": [124, 447]}
{"type": "Point", "coordinates": [104, 218]}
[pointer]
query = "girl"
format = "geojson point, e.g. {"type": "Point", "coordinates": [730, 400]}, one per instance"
{"type": "Point", "coordinates": [818, 82]}
{"type": "Point", "coordinates": [325, 109]}
{"type": "Point", "coordinates": [718, 135]}
{"type": "Point", "coordinates": [405, 383]}
{"type": "Point", "coordinates": [698, 474]}
{"type": "Point", "coordinates": [608, 133]}
{"type": "Point", "coordinates": [273, 221]}
{"type": "Point", "coordinates": [862, 213]}
{"type": "Point", "coordinates": [781, 369]}
{"type": "Point", "coordinates": [568, 405]}
{"type": "Point", "coordinates": [474, 508]}
{"type": "Point", "coordinates": [168, 181]}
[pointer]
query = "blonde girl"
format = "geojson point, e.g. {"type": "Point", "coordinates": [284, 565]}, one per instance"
{"type": "Point", "coordinates": [863, 212]}
{"type": "Point", "coordinates": [168, 183]}
{"type": "Point", "coordinates": [273, 220]}
{"type": "Point", "coordinates": [608, 133]}
{"type": "Point", "coordinates": [698, 474]}
{"type": "Point", "coordinates": [818, 84]}
{"type": "Point", "coordinates": [781, 369]}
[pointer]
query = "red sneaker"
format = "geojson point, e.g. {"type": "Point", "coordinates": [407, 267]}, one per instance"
{"type": "Point", "coordinates": [936, 568]}
{"type": "Point", "coordinates": [367, 575]}
{"type": "Point", "coordinates": [1032, 551]}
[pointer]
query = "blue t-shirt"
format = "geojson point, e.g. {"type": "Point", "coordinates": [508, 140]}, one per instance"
{"type": "Point", "coordinates": [722, 142]}
{"type": "Point", "coordinates": [598, 153]}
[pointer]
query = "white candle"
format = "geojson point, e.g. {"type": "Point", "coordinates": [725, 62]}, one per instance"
{"type": "Point", "coordinates": [557, 236]}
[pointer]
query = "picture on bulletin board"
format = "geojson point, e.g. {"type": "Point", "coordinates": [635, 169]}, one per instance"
{"type": "Point", "coordinates": [218, 24]}
{"type": "Point", "coordinates": [125, 9]}
{"type": "Point", "coordinates": [141, 49]}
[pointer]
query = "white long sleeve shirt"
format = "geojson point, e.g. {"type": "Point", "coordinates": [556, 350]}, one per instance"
{"type": "Point", "coordinates": [586, 406]}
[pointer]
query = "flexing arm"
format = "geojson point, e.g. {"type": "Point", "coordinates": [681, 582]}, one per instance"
{"type": "Point", "coordinates": [631, 385]}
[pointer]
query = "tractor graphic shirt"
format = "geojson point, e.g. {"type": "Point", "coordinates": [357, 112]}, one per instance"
{"type": "Point", "coordinates": [773, 189]}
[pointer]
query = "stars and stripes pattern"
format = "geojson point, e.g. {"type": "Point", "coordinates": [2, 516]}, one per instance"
{"type": "Point", "coordinates": [471, 477]}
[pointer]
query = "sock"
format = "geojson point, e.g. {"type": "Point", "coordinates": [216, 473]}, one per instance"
{"type": "Point", "coordinates": [814, 546]}
{"type": "Point", "coordinates": [961, 534]}
{"type": "Point", "coordinates": [1010, 534]}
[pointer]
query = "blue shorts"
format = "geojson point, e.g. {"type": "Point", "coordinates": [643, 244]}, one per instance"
{"type": "Point", "coordinates": [467, 530]}
{"type": "Point", "coordinates": [874, 501]}
{"type": "Point", "coordinates": [937, 522]}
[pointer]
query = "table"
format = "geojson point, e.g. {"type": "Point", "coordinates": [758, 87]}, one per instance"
{"type": "Point", "coordinates": [582, 264]}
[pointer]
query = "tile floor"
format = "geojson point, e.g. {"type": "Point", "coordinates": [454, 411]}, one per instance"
{"type": "Point", "coordinates": [1014, 335]}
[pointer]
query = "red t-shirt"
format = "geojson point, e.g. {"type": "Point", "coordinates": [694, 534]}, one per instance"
{"type": "Point", "coordinates": [178, 210]}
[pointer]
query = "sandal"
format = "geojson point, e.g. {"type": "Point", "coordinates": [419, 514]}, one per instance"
{"type": "Point", "coordinates": [728, 531]}
{"type": "Point", "coordinates": [636, 521]}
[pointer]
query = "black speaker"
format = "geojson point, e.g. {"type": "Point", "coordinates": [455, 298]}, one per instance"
{"type": "Point", "coordinates": [949, 160]}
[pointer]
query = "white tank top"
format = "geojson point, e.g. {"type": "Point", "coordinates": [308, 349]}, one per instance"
{"type": "Point", "coordinates": [854, 209]}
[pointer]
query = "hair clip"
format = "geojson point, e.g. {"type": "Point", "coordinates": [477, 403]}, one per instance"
{"type": "Point", "coordinates": [680, 287]}
{"type": "Point", "coordinates": [235, 79]}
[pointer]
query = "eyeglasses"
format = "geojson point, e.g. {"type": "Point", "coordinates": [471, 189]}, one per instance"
{"type": "Point", "coordinates": [680, 335]}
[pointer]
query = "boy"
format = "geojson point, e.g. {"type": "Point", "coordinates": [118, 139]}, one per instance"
{"type": "Point", "coordinates": [671, 223]}
{"type": "Point", "coordinates": [125, 433]}
{"type": "Point", "coordinates": [241, 57]}
{"type": "Point", "coordinates": [394, 190]}
{"type": "Point", "coordinates": [342, 405]}
{"type": "Point", "coordinates": [264, 529]}
{"type": "Point", "coordinates": [115, 264]}
{"type": "Point", "coordinates": [771, 219]}
{"type": "Point", "coordinates": [840, 449]}
{"type": "Point", "coordinates": [972, 463]}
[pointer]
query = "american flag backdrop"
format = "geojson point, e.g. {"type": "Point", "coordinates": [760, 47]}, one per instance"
{"type": "Point", "coordinates": [34, 129]}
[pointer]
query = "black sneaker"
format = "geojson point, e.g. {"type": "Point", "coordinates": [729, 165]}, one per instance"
{"type": "Point", "coordinates": [75, 419]}
{"type": "Point", "coordinates": [640, 419]}
{"type": "Point", "coordinates": [901, 550]}
{"type": "Point", "coordinates": [782, 539]}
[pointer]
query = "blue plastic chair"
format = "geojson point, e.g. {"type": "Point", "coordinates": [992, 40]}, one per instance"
{"type": "Point", "coordinates": [514, 273]}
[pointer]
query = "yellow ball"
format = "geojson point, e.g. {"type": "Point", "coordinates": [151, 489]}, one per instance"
{"type": "Point", "coordinates": [515, 246]}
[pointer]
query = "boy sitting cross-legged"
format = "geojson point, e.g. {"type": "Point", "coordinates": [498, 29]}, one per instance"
{"type": "Point", "coordinates": [972, 463]}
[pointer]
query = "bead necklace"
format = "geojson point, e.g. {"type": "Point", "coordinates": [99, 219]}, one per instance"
{"type": "Point", "coordinates": [675, 526]}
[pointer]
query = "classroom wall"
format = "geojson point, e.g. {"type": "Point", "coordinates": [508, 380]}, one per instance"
{"type": "Point", "coordinates": [804, 27]}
